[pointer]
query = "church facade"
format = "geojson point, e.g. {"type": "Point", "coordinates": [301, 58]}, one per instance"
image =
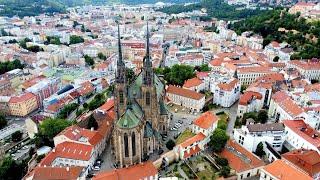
{"type": "Point", "coordinates": [141, 114]}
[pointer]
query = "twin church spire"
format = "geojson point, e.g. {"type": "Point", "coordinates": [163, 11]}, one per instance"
{"type": "Point", "coordinates": [147, 64]}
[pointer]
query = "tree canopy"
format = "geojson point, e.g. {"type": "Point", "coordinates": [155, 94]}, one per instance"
{"type": "Point", "coordinates": [16, 136]}
{"type": "Point", "coordinates": [101, 56]}
{"type": "Point", "coordinates": [259, 151]}
{"type": "Point", "coordinates": [89, 60]}
{"type": "Point", "coordinates": [218, 140]}
{"type": "Point", "coordinates": [170, 144]}
{"type": "Point", "coordinates": [177, 74]}
{"type": "Point", "coordinates": [8, 66]}
{"type": "Point", "coordinates": [67, 109]}
{"type": "Point", "coordinates": [74, 39]}
{"type": "Point", "coordinates": [296, 31]}
{"type": "Point", "coordinates": [51, 127]}
{"type": "Point", "coordinates": [215, 8]}
{"type": "Point", "coordinates": [3, 121]}
{"type": "Point", "coordinates": [11, 170]}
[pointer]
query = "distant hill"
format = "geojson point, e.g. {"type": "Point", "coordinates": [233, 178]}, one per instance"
{"type": "Point", "coordinates": [34, 7]}
{"type": "Point", "coordinates": [29, 7]}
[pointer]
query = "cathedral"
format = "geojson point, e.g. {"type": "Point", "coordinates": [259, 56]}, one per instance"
{"type": "Point", "coordinates": [141, 115]}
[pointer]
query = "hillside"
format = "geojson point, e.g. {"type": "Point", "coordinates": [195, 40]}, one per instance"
{"type": "Point", "coordinates": [29, 7]}
{"type": "Point", "coordinates": [35, 7]}
{"type": "Point", "coordinates": [281, 26]}
{"type": "Point", "coordinates": [215, 8]}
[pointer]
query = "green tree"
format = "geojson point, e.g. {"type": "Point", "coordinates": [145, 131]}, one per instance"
{"type": "Point", "coordinates": [178, 74]}
{"type": "Point", "coordinates": [222, 161]}
{"type": "Point", "coordinates": [3, 121]}
{"type": "Point", "coordinates": [276, 59]}
{"type": "Point", "coordinates": [225, 171]}
{"type": "Point", "coordinates": [222, 125]}
{"type": "Point", "coordinates": [11, 170]}
{"type": "Point", "coordinates": [248, 115]}
{"type": "Point", "coordinates": [67, 109]}
{"type": "Point", "coordinates": [218, 140]}
{"type": "Point", "coordinates": [74, 39]}
{"type": "Point", "coordinates": [92, 123]}
{"type": "Point", "coordinates": [101, 56]}
{"type": "Point", "coordinates": [35, 48]}
{"type": "Point", "coordinates": [204, 68]}
{"type": "Point", "coordinates": [262, 116]}
{"type": "Point", "coordinates": [51, 127]}
{"type": "Point", "coordinates": [89, 60]}
{"type": "Point", "coordinates": [16, 136]}
{"type": "Point", "coordinates": [259, 151]}
{"type": "Point", "coordinates": [170, 144]}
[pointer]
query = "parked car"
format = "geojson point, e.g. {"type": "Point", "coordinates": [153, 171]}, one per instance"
{"type": "Point", "coordinates": [180, 121]}
{"type": "Point", "coordinates": [96, 168]}
{"type": "Point", "coordinates": [160, 151]}
{"type": "Point", "coordinates": [177, 135]}
{"type": "Point", "coordinates": [146, 158]}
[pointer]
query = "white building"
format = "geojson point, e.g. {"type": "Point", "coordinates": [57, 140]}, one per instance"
{"type": "Point", "coordinates": [205, 124]}
{"type": "Point", "coordinates": [185, 97]}
{"type": "Point", "coordinates": [226, 92]}
{"type": "Point", "coordinates": [251, 135]}
{"type": "Point", "coordinates": [190, 147]}
{"type": "Point", "coordinates": [301, 135]}
{"type": "Point", "coordinates": [309, 69]}
{"type": "Point", "coordinates": [249, 102]}
{"type": "Point", "coordinates": [248, 75]}
{"type": "Point", "coordinates": [194, 84]}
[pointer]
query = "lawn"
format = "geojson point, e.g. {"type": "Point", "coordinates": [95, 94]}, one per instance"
{"type": "Point", "coordinates": [223, 117]}
{"type": "Point", "coordinates": [184, 136]}
{"type": "Point", "coordinates": [207, 172]}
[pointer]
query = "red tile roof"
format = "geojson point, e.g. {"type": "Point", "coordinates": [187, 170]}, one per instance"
{"type": "Point", "coordinates": [184, 92]}
{"type": "Point", "coordinates": [306, 65]}
{"type": "Point", "coordinates": [289, 106]}
{"type": "Point", "coordinates": [75, 133]}
{"type": "Point", "coordinates": [202, 75]}
{"type": "Point", "coordinates": [86, 88]}
{"type": "Point", "coordinates": [239, 158]}
{"type": "Point", "coordinates": [68, 150]}
{"type": "Point", "coordinates": [55, 173]}
{"type": "Point", "coordinates": [135, 172]}
{"type": "Point", "coordinates": [193, 151]}
{"type": "Point", "coordinates": [206, 120]}
{"type": "Point", "coordinates": [248, 96]}
{"type": "Point", "coordinates": [22, 98]}
{"type": "Point", "coordinates": [284, 171]}
{"type": "Point", "coordinates": [307, 134]}
{"type": "Point", "coordinates": [228, 86]}
{"type": "Point", "coordinates": [192, 82]}
{"type": "Point", "coordinates": [307, 160]}
{"type": "Point", "coordinates": [280, 96]}
{"type": "Point", "coordinates": [197, 138]}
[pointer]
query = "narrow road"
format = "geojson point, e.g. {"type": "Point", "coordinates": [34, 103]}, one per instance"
{"type": "Point", "coordinates": [232, 112]}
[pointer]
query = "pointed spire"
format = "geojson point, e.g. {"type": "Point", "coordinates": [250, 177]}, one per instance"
{"type": "Point", "coordinates": [147, 61]}
{"type": "Point", "coordinates": [121, 69]}
{"type": "Point", "coordinates": [148, 48]}
{"type": "Point", "coordinates": [235, 75]}
{"type": "Point", "coordinates": [119, 47]}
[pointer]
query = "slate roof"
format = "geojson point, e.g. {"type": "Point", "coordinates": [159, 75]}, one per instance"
{"type": "Point", "coordinates": [265, 127]}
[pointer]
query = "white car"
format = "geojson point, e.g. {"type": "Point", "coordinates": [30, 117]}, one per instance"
{"type": "Point", "coordinates": [96, 168]}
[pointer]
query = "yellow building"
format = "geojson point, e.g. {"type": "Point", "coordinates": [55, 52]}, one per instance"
{"type": "Point", "coordinates": [23, 105]}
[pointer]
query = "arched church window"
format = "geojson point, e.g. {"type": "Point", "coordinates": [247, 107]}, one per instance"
{"type": "Point", "coordinates": [133, 141]}
{"type": "Point", "coordinates": [126, 148]}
